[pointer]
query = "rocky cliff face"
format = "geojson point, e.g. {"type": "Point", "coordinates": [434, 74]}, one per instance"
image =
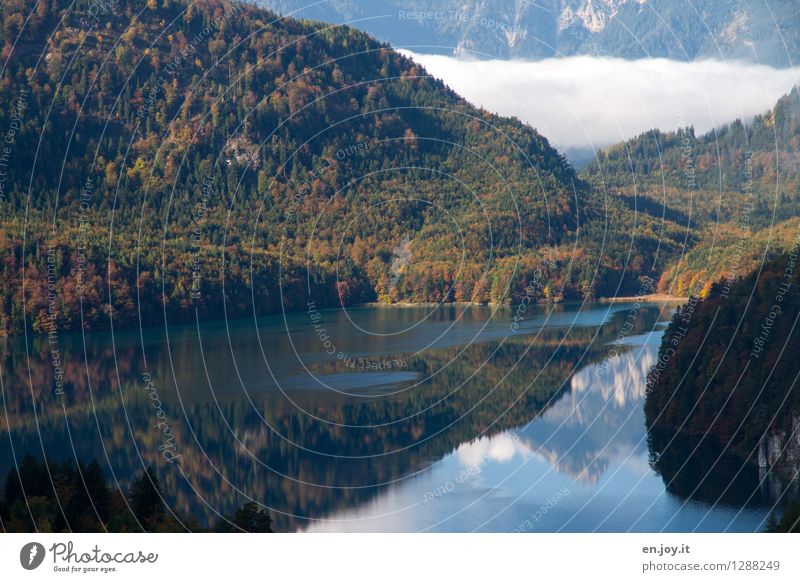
{"type": "Point", "coordinates": [500, 29]}
{"type": "Point", "coordinates": [765, 31]}
{"type": "Point", "coordinates": [592, 15]}
{"type": "Point", "coordinates": [779, 460]}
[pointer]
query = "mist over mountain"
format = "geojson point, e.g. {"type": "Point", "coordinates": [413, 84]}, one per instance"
{"type": "Point", "coordinates": [587, 103]}
{"type": "Point", "coordinates": [761, 31]}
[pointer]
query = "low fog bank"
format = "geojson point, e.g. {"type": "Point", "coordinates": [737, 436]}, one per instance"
{"type": "Point", "coordinates": [581, 103]}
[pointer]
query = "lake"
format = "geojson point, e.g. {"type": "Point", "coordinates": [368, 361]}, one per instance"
{"type": "Point", "coordinates": [430, 418]}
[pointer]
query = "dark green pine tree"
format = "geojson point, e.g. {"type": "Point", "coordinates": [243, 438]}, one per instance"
{"type": "Point", "coordinates": [249, 518]}
{"type": "Point", "coordinates": [97, 489]}
{"type": "Point", "coordinates": [29, 480]}
{"type": "Point", "coordinates": [252, 519]}
{"type": "Point", "coordinates": [772, 523]}
{"type": "Point", "coordinates": [146, 499]}
{"type": "Point", "coordinates": [790, 519]}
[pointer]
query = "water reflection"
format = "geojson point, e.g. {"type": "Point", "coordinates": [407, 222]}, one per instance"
{"type": "Point", "coordinates": [469, 427]}
{"type": "Point", "coordinates": [580, 465]}
{"type": "Point", "coordinates": [599, 419]}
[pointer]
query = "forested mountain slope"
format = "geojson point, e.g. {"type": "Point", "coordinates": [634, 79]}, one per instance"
{"type": "Point", "coordinates": [727, 374]}
{"type": "Point", "coordinates": [173, 159]}
{"type": "Point", "coordinates": [737, 187]}
{"type": "Point", "coordinates": [734, 159]}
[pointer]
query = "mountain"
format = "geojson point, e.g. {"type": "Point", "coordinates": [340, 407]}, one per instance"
{"type": "Point", "coordinates": [739, 156]}
{"type": "Point", "coordinates": [761, 31]}
{"type": "Point", "coordinates": [171, 161]}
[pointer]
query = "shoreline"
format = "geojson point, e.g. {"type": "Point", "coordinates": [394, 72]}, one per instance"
{"type": "Point", "coordinates": [652, 298]}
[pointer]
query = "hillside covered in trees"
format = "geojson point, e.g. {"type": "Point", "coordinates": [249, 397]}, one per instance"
{"type": "Point", "coordinates": [725, 385]}
{"type": "Point", "coordinates": [736, 189]}
{"type": "Point", "coordinates": [171, 159]}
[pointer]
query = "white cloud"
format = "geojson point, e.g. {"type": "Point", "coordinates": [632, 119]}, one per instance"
{"type": "Point", "coordinates": [500, 448]}
{"type": "Point", "coordinates": [579, 102]}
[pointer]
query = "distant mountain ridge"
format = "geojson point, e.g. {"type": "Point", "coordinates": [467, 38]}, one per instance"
{"type": "Point", "coordinates": [764, 31]}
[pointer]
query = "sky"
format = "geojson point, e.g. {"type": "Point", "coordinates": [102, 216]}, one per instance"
{"type": "Point", "coordinates": [584, 102]}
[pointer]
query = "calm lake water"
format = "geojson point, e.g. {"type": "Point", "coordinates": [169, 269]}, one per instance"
{"type": "Point", "coordinates": [380, 419]}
